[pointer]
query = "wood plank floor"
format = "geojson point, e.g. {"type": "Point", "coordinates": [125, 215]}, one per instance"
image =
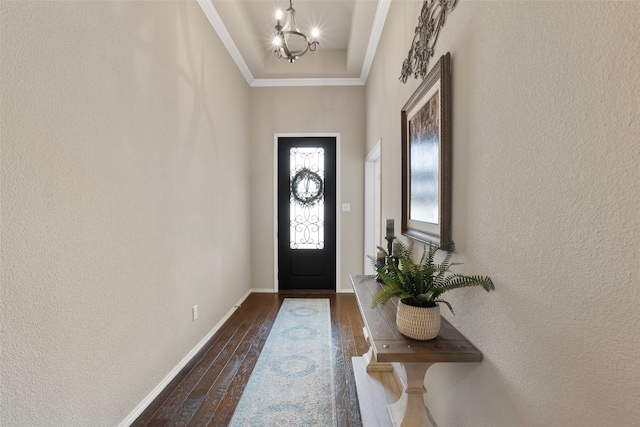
{"type": "Point", "coordinates": [207, 390]}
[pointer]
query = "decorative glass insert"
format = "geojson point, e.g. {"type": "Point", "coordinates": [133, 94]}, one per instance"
{"type": "Point", "coordinates": [306, 200]}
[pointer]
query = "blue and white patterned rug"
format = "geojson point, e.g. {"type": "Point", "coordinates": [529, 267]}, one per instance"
{"type": "Point", "coordinates": [292, 382]}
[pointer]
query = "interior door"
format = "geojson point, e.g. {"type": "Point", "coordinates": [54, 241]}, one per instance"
{"type": "Point", "coordinates": [372, 208]}
{"type": "Point", "coordinates": [307, 213]}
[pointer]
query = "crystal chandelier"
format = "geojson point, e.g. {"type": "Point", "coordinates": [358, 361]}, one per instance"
{"type": "Point", "coordinates": [289, 42]}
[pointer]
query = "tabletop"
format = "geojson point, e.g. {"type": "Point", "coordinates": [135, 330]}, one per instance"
{"type": "Point", "coordinates": [389, 345]}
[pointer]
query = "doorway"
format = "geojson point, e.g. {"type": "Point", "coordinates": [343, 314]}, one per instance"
{"type": "Point", "coordinates": [372, 207]}
{"type": "Point", "coordinates": [306, 213]}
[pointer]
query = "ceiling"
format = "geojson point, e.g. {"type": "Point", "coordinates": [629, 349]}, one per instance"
{"type": "Point", "coordinates": [349, 34]}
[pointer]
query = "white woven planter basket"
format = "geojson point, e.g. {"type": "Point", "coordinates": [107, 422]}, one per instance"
{"type": "Point", "coordinates": [418, 323]}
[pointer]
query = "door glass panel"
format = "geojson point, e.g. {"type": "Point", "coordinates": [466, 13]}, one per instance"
{"type": "Point", "coordinates": [306, 203]}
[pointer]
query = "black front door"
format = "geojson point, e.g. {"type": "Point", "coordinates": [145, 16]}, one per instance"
{"type": "Point", "coordinates": [307, 213]}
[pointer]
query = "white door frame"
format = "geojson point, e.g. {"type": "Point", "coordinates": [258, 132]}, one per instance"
{"type": "Point", "coordinates": [372, 206]}
{"type": "Point", "coordinates": [275, 200]}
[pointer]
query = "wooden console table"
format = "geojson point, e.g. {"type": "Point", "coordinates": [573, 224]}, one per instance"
{"type": "Point", "coordinates": [394, 360]}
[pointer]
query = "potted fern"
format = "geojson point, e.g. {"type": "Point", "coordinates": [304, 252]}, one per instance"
{"type": "Point", "coordinates": [419, 287]}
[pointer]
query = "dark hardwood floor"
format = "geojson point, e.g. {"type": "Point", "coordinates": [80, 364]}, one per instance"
{"type": "Point", "coordinates": [207, 390]}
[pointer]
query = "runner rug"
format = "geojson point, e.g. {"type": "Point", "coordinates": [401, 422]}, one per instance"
{"type": "Point", "coordinates": [292, 382]}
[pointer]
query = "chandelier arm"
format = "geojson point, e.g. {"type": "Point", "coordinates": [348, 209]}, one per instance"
{"type": "Point", "coordinates": [298, 33]}
{"type": "Point", "coordinates": [285, 46]}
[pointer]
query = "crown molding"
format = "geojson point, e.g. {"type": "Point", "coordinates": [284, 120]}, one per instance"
{"type": "Point", "coordinates": [217, 24]}
{"type": "Point", "coordinates": [376, 31]}
{"type": "Point", "coordinates": [374, 38]}
{"type": "Point", "coordinates": [307, 82]}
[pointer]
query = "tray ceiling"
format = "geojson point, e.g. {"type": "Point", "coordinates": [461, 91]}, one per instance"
{"type": "Point", "coordinates": [349, 34]}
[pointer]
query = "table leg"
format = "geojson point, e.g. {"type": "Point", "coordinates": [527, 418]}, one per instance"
{"type": "Point", "coordinates": [409, 410]}
{"type": "Point", "coordinates": [372, 364]}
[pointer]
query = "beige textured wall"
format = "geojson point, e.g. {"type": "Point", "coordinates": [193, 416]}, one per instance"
{"type": "Point", "coordinates": [546, 195]}
{"type": "Point", "coordinates": [125, 201]}
{"type": "Point", "coordinates": [306, 110]}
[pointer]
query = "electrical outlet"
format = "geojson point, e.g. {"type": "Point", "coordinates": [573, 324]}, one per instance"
{"type": "Point", "coordinates": [194, 312]}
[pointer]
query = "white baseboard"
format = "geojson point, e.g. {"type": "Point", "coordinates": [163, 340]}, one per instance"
{"type": "Point", "coordinates": [262, 291]}
{"type": "Point", "coordinates": [175, 371]}
{"type": "Point", "coordinates": [271, 291]}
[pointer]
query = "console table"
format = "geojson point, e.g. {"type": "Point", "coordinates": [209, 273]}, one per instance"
{"type": "Point", "coordinates": [390, 376]}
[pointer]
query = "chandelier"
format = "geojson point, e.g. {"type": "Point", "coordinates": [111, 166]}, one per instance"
{"type": "Point", "coordinates": [289, 42]}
